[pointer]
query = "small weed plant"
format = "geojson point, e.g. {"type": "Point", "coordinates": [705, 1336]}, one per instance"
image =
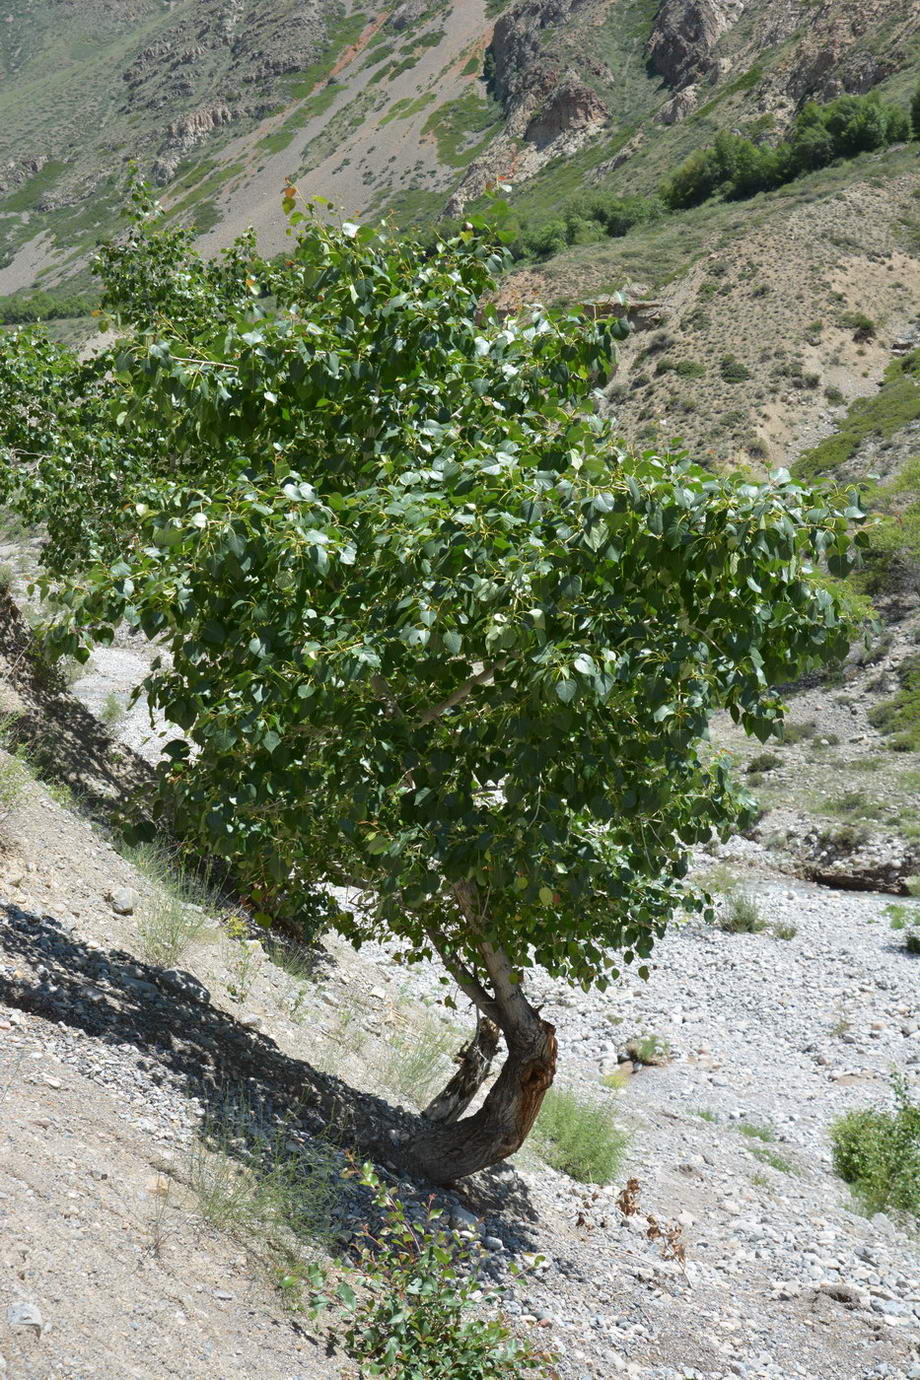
{"type": "Point", "coordinates": [163, 865]}
{"type": "Point", "coordinates": [416, 1311]}
{"type": "Point", "coordinates": [276, 1197]}
{"type": "Point", "coordinates": [113, 710]}
{"type": "Point", "coordinates": [755, 1132]}
{"type": "Point", "coordinates": [784, 930]}
{"type": "Point", "coordinates": [243, 958]}
{"type": "Point", "coordinates": [14, 778]}
{"type": "Point", "coordinates": [878, 1153]}
{"type": "Point", "coordinates": [418, 1060]}
{"type": "Point", "coordinates": [579, 1138]}
{"type": "Point", "coordinates": [763, 761]}
{"type": "Point", "coordinates": [772, 1157]}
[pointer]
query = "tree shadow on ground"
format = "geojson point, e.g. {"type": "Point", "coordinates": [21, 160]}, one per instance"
{"type": "Point", "coordinates": [165, 1015]}
{"type": "Point", "coordinates": [65, 742]}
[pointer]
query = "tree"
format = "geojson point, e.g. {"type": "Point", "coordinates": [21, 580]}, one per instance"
{"type": "Point", "coordinates": [433, 632]}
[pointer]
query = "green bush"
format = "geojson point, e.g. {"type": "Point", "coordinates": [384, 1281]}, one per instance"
{"type": "Point", "coordinates": [878, 1154]}
{"type": "Point", "coordinates": [416, 1313]}
{"type": "Point", "coordinates": [736, 167]}
{"type": "Point", "coordinates": [23, 307]}
{"type": "Point", "coordinates": [862, 326]}
{"type": "Point", "coordinates": [584, 219]}
{"type": "Point", "coordinates": [915, 113]}
{"type": "Point", "coordinates": [650, 1049]}
{"type": "Point", "coordinates": [579, 1138]}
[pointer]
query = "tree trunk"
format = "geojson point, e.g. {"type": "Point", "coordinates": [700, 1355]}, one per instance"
{"type": "Point", "coordinates": [451, 1151]}
{"type": "Point", "coordinates": [475, 1061]}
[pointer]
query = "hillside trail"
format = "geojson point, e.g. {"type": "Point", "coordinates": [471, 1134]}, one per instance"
{"type": "Point", "coordinates": [121, 1077]}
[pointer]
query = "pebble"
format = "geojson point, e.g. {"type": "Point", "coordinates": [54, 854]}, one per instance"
{"type": "Point", "coordinates": [25, 1314]}
{"type": "Point", "coordinates": [122, 900]}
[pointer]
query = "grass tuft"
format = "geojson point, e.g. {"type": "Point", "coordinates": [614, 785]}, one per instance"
{"type": "Point", "coordinates": [579, 1138]}
{"type": "Point", "coordinates": [741, 914]}
{"type": "Point", "coordinates": [168, 928]}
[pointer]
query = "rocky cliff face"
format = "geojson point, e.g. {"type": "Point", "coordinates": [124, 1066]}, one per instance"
{"type": "Point", "coordinates": [550, 107]}
{"type": "Point", "coordinates": [682, 48]}
{"type": "Point", "coordinates": [829, 49]}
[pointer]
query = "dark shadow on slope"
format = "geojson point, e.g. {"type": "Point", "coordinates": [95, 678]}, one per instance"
{"type": "Point", "coordinates": [211, 1056]}
{"type": "Point", "coordinates": [64, 741]}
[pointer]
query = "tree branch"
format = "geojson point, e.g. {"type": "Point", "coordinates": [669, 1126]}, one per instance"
{"type": "Point", "coordinates": [461, 692]}
{"type": "Point", "coordinates": [509, 995]}
{"type": "Point", "coordinates": [468, 983]}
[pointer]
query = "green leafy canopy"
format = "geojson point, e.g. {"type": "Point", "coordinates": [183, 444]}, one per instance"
{"type": "Point", "coordinates": [427, 626]}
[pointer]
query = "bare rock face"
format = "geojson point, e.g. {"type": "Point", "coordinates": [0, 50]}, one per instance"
{"type": "Point", "coordinates": [571, 107]}
{"type": "Point", "coordinates": [682, 46]}
{"type": "Point", "coordinates": [517, 44]}
{"type": "Point", "coordinates": [550, 108]}
{"type": "Point", "coordinates": [681, 104]}
{"type": "Point", "coordinates": [183, 134]}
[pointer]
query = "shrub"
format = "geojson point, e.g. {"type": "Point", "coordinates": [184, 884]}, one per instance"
{"type": "Point", "coordinates": [736, 167]}
{"type": "Point", "coordinates": [732, 370]}
{"type": "Point", "coordinates": [796, 732]}
{"type": "Point", "coordinates": [764, 761]}
{"type": "Point", "coordinates": [784, 930]}
{"type": "Point", "coordinates": [689, 369]}
{"type": "Point", "coordinates": [906, 920]}
{"type": "Point", "coordinates": [578, 1138]}
{"type": "Point", "coordinates": [417, 1311]}
{"type": "Point", "coordinates": [650, 1049]}
{"type": "Point", "coordinates": [915, 113]}
{"type": "Point", "coordinates": [878, 1154]}
{"type": "Point", "coordinates": [862, 326]}
{"type": "Point", "coordinates": [741, 914]}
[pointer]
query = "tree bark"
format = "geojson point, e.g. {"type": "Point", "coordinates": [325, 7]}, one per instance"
{"type": "Point", "coordinates": [451, 1151]}
{"type": "Point", "coordinates": [475, 1062]}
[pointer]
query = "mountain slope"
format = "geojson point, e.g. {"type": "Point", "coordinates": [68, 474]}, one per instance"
{"type": "Point", "coordinates": [418, 106]}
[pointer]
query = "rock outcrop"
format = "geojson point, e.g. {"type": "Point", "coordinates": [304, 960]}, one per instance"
{"type": "Point", "coordinates": [683, 42]}
{"type": "Point", "coordinates": [570, 108]}
{"type": "Point", "coordinates": [184, 134]}
{"type": "Point", "coordinates": [550, 106]}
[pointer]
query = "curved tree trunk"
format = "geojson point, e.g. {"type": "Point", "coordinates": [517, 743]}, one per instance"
{"type": "Point", "coordinates": [501, 1125]}
{"type": "Point", "coordinates": [475, 1063]}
